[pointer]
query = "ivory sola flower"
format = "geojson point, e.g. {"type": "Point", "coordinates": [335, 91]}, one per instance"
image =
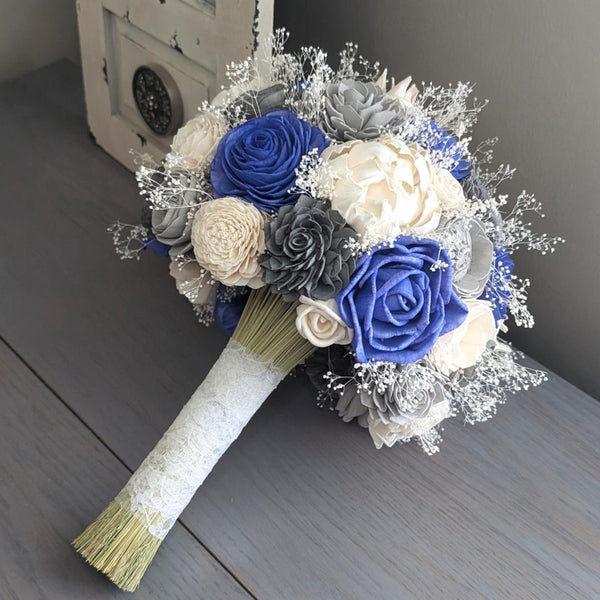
{"type": "Point", "coordinates": [228, 237]}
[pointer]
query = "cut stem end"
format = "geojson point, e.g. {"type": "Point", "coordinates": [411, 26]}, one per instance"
{"type": "Point", "coordinates": [118, 545]}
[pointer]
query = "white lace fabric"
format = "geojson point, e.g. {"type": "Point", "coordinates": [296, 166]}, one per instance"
{"type": "Point", "coordinates": [208, 424]}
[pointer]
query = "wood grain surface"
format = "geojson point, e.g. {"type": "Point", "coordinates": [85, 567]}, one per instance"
{"type": "Point", "coordinates": [56, 476]}
{"type": "Point", "coordinates": [302, 506]}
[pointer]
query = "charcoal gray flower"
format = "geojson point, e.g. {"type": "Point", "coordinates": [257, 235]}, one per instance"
{"type": "Point", "coordinates": [146, 216]}
{"type": "Point", "coordinates": [406, 397]}
{"type": "Point", "coordinates": [336, 359]}
{"type": "Point", "coordinates": [472, 253]}
{"type": "Point", "coordinates": [173, 226]}
{"type": "Point", "coordinates": [258, 103]}
{"type": "Point", "coordinates": [357, 110]}
{"type": "Point", "coordinates": [339, 361]}
{"type": "Point", "coordinates": [306, 253]}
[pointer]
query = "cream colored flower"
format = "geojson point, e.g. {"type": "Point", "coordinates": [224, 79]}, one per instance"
{"type": "Point", "coordinates": [195, 143]}
{"type": "Point", "coordinates": [227, 95]}
{"type": "Point", "coordinates": [405, 91]}
{"type": "Point", "coordinates": [462, 347]}
{"type": "Point", "coordinates": [449, 190]}
{"type": "Point", "coordinates": [193, 282]}
{"type": "Point", "coordinates": [389, 433]}
{"type": "Point", "coordinates": [382, 187]}
{"type": "Point", "coordinates": [320, 323]}
{"type": "Point", "coordinates": [228, 238]}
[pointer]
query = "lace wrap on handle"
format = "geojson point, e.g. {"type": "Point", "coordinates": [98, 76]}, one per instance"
{"type": "Point", "coordinates": [208, 424]}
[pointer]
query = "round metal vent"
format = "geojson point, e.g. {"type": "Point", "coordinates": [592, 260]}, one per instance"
{"type": "Point", "coordinates": [158, 99]}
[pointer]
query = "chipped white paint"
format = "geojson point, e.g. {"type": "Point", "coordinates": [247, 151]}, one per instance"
{"type": "Point", "coordinates": [193, 40]}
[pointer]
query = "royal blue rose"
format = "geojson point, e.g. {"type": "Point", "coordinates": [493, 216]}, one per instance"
{"type": "Point", "coordinates": [440, 141]}
{"type": "Point", "coordinates": [257, 160]}
{"type": "Point", "coordinates": [157, 247]}
{"type": "Point", "coordinates": [497, 291]}
{"type": "Point", "coordinates": [400, 300]}
{"type": "Point", "coordinates": [228, 311]}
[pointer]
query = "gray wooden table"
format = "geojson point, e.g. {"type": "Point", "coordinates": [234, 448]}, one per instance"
{"type": "Point", "coordinates": [98, 356]}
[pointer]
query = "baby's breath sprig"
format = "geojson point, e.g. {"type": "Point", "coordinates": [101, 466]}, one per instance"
{"type": "Point", "coordinates": [128, 240]}
{"type": "Point", "coordinates": [311, 176]}
{"type": "Point", "coordinates": [354, 66]}
{"type": "Point", "coordinates": [409, 381]}
{"type": "Point", "coordinates": [205, 314]}
{"type": "Point", "coordinates": [307, 90]}
{"type": "Point", "coordinates": [450, 107]}
{"type": "Point", "coordinates": [165, 188]}
{"type": "Point", "coordinates": [517, 301]}
{"type": "Point", "coordinates": [191, 287]}
{"type": "Point", "coordinates": [478, 392]}
{"type": "Point", "coordinates": [519, 233]}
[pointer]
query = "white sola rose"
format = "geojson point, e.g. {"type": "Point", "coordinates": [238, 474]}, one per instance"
{"type": "Point", "coordinates": [195, 143]}
{"type": "Point", "coordinates": [382, 187]}
{"type": "Point", "coordinates": [229, 94]}
{"type": "Point", "coordinates": [449, 190]}
{"type": "Point", "coordinates": [389, 433]}
{"type": "Point", "coordinates": [228, 237]}
{"type": "Point", "coordinates": [462, 347]}
{"type": "Point", "coordinates": [320, 323]}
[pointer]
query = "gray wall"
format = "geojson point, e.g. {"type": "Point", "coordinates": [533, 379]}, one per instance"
{"type": "Point", "coordinates": [538, 61]}
{"type": "Point", "coordinates": [34, 33]}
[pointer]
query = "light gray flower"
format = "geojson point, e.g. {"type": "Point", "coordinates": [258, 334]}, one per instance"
{"type": "Point", "coordinates": [306, 251]}
{"type": "Point", "coordinates": [349, 406]}
{"type": "Point", "coordinates": [255, 104]}
{"type": "Point", "coordinates": [173, 226]}
{"type": "Point", "coordinates": [357, 110]}
{"type": "Point", "coordinates": [474, 187]}
{"type": "Point", "coordinates": [423, 427]}
{"type": "Point", "coordinates": [406, 397]}
{"type": "Point", "coordinates": [472, 254]}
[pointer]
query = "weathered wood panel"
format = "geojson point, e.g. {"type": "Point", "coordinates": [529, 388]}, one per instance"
{"type": "Point", "coordinates": [191, 42]}
{"type": "Point", "coordinates": [302, 506]}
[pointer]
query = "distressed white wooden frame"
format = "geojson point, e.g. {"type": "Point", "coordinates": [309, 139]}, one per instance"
{"type": "Point", "coordinates": [193, 39]}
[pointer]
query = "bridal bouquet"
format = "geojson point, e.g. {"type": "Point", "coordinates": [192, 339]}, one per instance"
{"type": "Point", "coordinates": [334, 218]}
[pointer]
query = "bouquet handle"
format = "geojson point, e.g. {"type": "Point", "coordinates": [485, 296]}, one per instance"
{"type": "Point", "coordinates": [124, 538]}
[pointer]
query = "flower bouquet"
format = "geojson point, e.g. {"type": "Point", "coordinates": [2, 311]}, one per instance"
{"type": "Point", "coordinates": [333, 218]}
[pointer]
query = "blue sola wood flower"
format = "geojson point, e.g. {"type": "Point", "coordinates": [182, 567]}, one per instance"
{"type": "Point", "coordinates": [157, 247]}
{"type": "Point", "coordinates": [400, 300]}
{"type": "Point", "coordinates": [440, 141]}
{"type": "Point", "coordinates": [257, 160]}
{"type": "Point", "coordinates": [229, 308]}
{"type": "Point", "coordinates": [497, 291]}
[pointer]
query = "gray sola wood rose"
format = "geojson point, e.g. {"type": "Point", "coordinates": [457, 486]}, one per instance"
{"type": "Point", "coordinates": [306, 251]}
